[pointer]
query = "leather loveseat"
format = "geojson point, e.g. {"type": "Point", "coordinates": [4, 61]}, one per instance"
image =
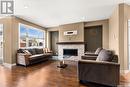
{"type": "Point", "coordinates": [30, 56]}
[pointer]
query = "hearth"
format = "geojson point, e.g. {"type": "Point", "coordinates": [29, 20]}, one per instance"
{"type": "Point", "coordinates": [70, 52]}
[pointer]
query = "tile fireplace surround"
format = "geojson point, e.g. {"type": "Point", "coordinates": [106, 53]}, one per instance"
{"type": "Point", "coordinates": [79, 47]}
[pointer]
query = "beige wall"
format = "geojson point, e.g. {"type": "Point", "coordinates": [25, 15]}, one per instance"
{"type": "Point", "coordinates": [11, 37]}
{"type": "Point", "coordinates": [70, 27]}
{"type": "Point", "coordinates": [114, 33]}
{"type": "Point", "coordinates": [67, 27]}
{"type": "Point", "coordinates": [125, 45]}
{"type": "Point", "coordinates": [53, 29]}
{"type": "Point", "coordinates": [124, 16]}
{"type": "Point", "coordinates": [7, 23]}
{"type": "Point", "coordinates": [118, 33]}
{"type": "Point", "coordinates": [80, 27]}
{"type": "Point", "coordinates": [105, 35]}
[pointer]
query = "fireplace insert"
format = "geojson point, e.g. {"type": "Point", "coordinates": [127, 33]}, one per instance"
{"type": "Point", "coordinates": [70, 52]}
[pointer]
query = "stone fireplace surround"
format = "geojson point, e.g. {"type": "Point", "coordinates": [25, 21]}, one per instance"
{"type": "Point", "coordinates": [80, 46]}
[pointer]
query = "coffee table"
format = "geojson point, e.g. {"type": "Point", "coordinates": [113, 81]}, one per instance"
{"type": "Point", "coordinates": [61, 63]}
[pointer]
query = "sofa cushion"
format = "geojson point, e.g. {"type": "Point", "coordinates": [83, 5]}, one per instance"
{"type": "Point", "coordinates": [39, 51]}
{"type": "Point", "coordinates": [47, 50]}
{"type": "Point", "coordinates": [98, 50]}
{"type": "Point", "coordinates": [32, 51]}
{"type": "Point", "coordinates": [105, 55]}
{"type": "Point", "coordinates": [36, 56]}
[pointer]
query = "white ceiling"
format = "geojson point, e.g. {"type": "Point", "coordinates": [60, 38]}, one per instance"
{"type": "Point", "coordinates": [49, 13]}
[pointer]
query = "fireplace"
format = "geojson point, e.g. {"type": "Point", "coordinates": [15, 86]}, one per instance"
{"type": "Point", "coordinates": [70, 52]}
{"type": "Point", "coordinates": [71, 48]}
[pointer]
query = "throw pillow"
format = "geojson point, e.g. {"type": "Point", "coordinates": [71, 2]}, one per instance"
{"type": "Point", "coordinates": [98, 50]}
{"type": "Point", "coordinates": [44, 50]}
{"type": "Point", "coordinates": [105, 55]}
{"type": "Point", "coordinates": [27, 52]}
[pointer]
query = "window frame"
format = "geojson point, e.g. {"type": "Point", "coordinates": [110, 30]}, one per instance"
{"type": "Point", "coordinates": [31, 27]}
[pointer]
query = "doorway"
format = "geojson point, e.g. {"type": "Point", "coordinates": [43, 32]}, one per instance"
{"type": "Point", "coordinates": [93, 37]}
{"type": "Point", "coordinates": [1, 43]}
{"type": "Point", "coordinates": [54, 40]}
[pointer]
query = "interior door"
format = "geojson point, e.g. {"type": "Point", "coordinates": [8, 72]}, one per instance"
{"type": "Point", "coordinates": [93, 37]}
{"type": "Point", "coordinates": [54, 40]}
{"type": "Point", "coordinates": [1, 43]}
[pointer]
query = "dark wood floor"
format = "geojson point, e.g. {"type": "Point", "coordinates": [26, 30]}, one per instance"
{"type": "Point", "coordinates": [45, 74]}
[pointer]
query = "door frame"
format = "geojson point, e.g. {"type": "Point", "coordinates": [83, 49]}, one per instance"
{"type": "Point", "coordinates": [2, 43]}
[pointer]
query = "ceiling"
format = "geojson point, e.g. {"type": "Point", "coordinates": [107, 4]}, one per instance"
{"type": "Point", "coordinates": [50, 13]}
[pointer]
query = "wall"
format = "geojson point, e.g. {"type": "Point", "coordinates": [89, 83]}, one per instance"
{"type": "Point", "coordinates": [114, 31]}
{"type": "Point", "coordinates": [105, 25]}
{"type": "Point", "coordinates": [118, 33]}
{"type": "Point", "coordinates": [80, 27]}
{"type": "Point", "coordinates": [11, 36]}
{"type": "Point", "coordinates": [53, 28]}
{"type": "Point", "coordinates": [70, 27]}
{"type": "Point", "coordinates": [124, 16]}
{"type": "Point", "coordinates": [7, 23]}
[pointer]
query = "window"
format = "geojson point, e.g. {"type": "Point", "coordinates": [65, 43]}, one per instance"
{"type": "Point", "coordinates": [31, 37]}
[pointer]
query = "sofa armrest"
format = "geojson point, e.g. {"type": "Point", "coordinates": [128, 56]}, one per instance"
{"type": "Point", "coordinates": [91, 54]}
{"type": "Point", "coordinates": [86, 57]}
{"type": "Point", "coordinates": [23, 59]}
{"type": "Point", "coordinates": [106, 73]}
{"type": "Point", "coordinates": [99, 62]}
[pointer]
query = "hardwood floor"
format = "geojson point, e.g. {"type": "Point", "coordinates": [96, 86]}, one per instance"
{"type": "Point", "coordinates": [45, 74]}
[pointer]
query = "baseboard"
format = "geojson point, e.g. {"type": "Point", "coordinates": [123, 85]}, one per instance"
{"type": "Point", "coordinates": [14, 64]}
{"type": "Point", "coordinates": [124, 71]}
{"type": "Point", "coordinates": [8, 65]}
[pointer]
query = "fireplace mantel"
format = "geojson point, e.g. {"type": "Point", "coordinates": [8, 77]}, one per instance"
{"type": "Point", "coordinates": [64, 43]}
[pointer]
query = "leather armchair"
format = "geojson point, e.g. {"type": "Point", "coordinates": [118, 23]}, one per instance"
{"type": "Point", "coordinates": [93, 53]}
{"type": "Point", "coordinates": [102, 69]}
{"type": "Point", "coordinates": [106, 73]}
{"type": "Point", "coordinates": [86, 57]}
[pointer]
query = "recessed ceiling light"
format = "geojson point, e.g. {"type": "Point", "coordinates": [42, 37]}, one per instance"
{"type": "Point", "coordinates": [25, 6]}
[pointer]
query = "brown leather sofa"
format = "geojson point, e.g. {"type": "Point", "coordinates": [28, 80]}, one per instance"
{"type": "Point", "coordinates": [103, 70]}
{"type": "Point", "coordinates": [34, 55]}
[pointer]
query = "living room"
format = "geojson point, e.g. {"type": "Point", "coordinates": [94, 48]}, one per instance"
{"type": "Point", "coordinates": [82, 44]}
